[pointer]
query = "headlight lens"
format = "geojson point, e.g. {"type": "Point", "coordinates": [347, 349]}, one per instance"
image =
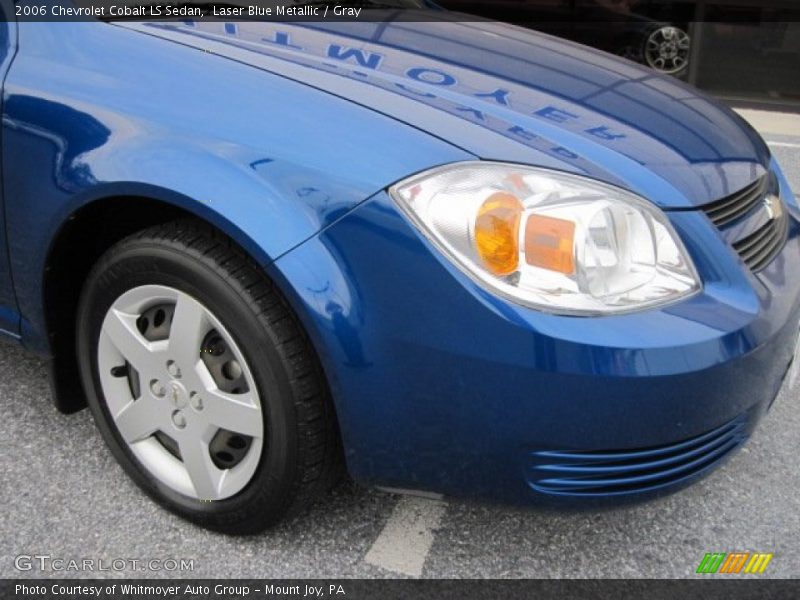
{"type": "Point", "coordinates": [550, 240]}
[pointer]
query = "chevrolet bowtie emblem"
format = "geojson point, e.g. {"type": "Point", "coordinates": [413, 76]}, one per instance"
{"type": "Point", "coordinates": [774, 207]}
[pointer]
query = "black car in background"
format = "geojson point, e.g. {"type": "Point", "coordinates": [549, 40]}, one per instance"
{"type": "Point", "coordinates": [651, 32]}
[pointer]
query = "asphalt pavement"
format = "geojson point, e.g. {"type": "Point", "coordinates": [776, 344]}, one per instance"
{"type": "Point", "coordinates": [62, 495]}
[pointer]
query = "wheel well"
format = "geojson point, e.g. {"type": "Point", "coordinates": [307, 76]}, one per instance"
{"type": "Point", "coordinates": [82, 240]}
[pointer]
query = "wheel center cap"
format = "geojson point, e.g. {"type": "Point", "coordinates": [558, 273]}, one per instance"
{"type": "Point", "coordinates": [178, 395]}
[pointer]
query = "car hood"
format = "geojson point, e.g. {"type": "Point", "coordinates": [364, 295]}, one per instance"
{"type": "Point", "coordinates": [508, 94]}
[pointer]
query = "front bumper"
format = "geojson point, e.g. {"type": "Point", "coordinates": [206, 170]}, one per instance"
{"type": "Point", "coordinates": [440, 386]}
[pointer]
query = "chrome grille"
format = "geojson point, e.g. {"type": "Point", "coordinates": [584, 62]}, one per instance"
{"type": "Point", "coordinates": [737, 205]}
{"type": "Point", "coordinates": [758, 249]}
{"type": "Point", "coordinates": [757, 242]}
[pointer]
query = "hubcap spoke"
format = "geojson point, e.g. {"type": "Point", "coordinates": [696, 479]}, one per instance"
{"type": "Point", "coordinates": [206, 477]}
{"type": "Point", "coordinates": [234, 412]}
{"type": "Point", "coordinates": [121, 330]}
{"type": "Point", "coordinates": [137, 420]}
{"type": "Point", "coordinates": [189, 326]}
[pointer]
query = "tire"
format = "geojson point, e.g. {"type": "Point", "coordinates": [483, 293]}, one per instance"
{"type": "Point", "coordinates": [280, 407]}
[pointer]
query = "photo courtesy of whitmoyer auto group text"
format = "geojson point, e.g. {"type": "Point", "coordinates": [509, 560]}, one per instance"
{"type": "Point", "coordinates": [399, 299]}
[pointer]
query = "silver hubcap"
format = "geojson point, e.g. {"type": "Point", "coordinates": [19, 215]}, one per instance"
{"type": "Point", "coordinates": [180, 392]}
{"type": "Point", "coordinates": [667, 49]}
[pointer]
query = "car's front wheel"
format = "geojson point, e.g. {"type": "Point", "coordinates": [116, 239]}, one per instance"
{"type": "Point", "coordinates": [201, 380]}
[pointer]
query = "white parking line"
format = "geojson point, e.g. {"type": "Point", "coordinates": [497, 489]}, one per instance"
{"type": "Point", "coordinates": [784, 144]}
{"type": "Point", "coordinates": [405, 541]}
{"type": "Point", "coordinates": [771, 122]}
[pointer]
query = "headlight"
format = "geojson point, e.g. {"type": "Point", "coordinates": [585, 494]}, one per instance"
{"type": "Point", "coordinates": [550, 240]}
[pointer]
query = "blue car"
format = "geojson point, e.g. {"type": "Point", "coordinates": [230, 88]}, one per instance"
{"type": "Point", "coordinates": [456, 258]}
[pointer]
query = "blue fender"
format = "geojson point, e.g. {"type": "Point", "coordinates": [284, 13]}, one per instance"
{"type": "Point", "coordinates": [236, 146]}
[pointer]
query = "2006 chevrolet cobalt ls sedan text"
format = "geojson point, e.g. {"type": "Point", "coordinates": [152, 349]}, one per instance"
{"type": "Point", "coordinates": [463, 258]}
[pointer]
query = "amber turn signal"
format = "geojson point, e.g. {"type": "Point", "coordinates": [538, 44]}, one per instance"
{"type": "Point", "coordinates": [497, 233]}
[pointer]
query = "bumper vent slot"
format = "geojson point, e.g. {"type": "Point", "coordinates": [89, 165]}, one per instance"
{"type": "Point", "coordinates": [758, 249]}
{"type": "Point", "coordinates": [737, 205]}
{"type": "Point", "coordinates": [628, 472]}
